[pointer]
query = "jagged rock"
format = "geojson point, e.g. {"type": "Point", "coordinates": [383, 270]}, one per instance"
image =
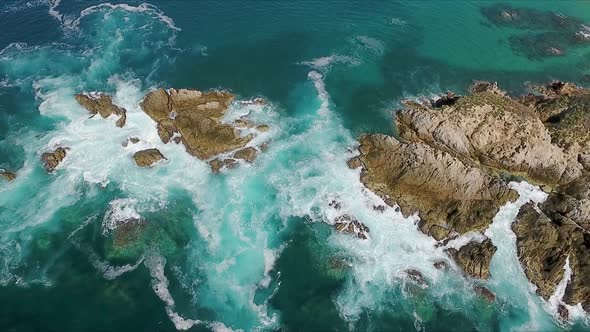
{"type": "Point", "coordinates": [347, 224]}
{"type": "Point", "coordinates": [546, 237]}
{"type": "Point", "coordinates": [100, 103]}
{"type": "Point", "coordinates": [446, 100]}
{"type": "Point", "coordinates": [474, 258]}
{"type": "Point", "coordinates": [496, 133]}
{"type": "Point", "coordinates": [416, 277]}
{"type": "Point", "coordinates": [354, 163]}
{"type": "Point", "coordinates": [262, 128]}
{"type": "Point", "coordinates": [563, 313]}
{"type": "Point", "coordinates": [441, 265]}
{"type": "Point", "coordinates": [334, 204]}
{"type": "Point", "coordinates": [216, 164]}
{"type": "Point", "coordinates": [7, 175]}
{"type": "Point", "coordinates": [487, 294]}
{"type": "Point", "coordinates": [379, 208]}
{"type": "Point", "coordinates": [447, 194]}
{"type": "Point", "coordinates": [132, 140]}
{"type": "Point", "coordinates": [197, 117]}
{"type": "Point", "coordinates": [52, 159]}
{"type": "Point", "coordinates": [248, 154]}
{"type": "Point", "coordinates": [146, 158]}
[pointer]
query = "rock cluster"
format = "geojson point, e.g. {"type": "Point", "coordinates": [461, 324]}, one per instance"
{"type": "Point", "coordinates": [101, 103]}
{"type": "Point", "coordinates": [52, 159]}
{"type": "Point", "coordinates": [350, 225]}
{"type": "Point", "coordinates": [454, 156]}
{"type": "Point", "coordinates": [195, 118]}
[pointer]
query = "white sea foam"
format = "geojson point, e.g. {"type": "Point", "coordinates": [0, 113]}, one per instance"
{"type": "Point", "coordinates": [324, 63]}
{"type": "Point", "coordinates": [372, 44]}
{"type": "Point", "coordinates": [120, 210]}
{"type": "Point", "coordinates": [146, 8]}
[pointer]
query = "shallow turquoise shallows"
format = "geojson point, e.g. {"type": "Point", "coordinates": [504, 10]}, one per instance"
{"type": "Point", "coordinates": [249, 249]}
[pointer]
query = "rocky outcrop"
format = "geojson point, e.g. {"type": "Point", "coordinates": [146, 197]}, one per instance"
{"type": "Point", "coordinates": [494, 132]}
{"type": "Point", "coordinates": [248, 154]}
{"type": "Point", "coordinates": [474, 258]}
{"type": "Point", "coordinates": [556, 231]}
{"type": "Point", "coordinates": [52, 159]}
{"type": "Point", "coordinates": [196, 117]}
{"type": "Point", "coordinates": [448, 194]}
{"type": "Point", "coordinates": [146, 158]}
{"type": "Point", "coordinates": [350, 225]}
{"type": "Point", "coordinates": [217, 165]}
{"type": "Point", "coordinates": [7, 175]}
{"type": "Point", "coordinates": [100, 103]}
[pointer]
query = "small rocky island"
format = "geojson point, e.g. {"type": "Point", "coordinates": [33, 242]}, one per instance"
{"type": "Point", "coordinates": [454, 157]}
{"type": "Point", "coordinates": [191, 117]}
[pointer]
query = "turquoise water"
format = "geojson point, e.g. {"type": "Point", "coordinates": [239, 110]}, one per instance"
{"type": "Point", "coordinates": [251, 248]}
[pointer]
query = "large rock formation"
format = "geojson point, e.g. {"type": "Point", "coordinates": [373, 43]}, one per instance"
{"type": "Point", "coordinates": [146, 158]}
{"type": "Point", "coordinates": [547, 236]}
{"type": "Point", "coordinates": [52, 159]}
{"type": "Point", "coordinates": [197, 118]}
{"type": "Point", "coordinates": [493, 131]}
{"type": "Point", "coordinates": [448, 194]}
{"type": "Point", "coordinates": [100, 103]}
{"type": "Point", "coordinates": [474, 258]}
{"type": "Point", "coordinates": [455, 155]}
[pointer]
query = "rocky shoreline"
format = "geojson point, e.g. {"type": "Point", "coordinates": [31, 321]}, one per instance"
{"type": "Point", "coordinates": [452, 162]}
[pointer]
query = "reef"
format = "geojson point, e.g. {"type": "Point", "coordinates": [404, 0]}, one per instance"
{"type": "Point", "coordinates": [454, 157]}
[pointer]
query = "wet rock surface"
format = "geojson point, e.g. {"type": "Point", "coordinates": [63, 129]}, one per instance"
{"type": "Point", "coordinates": [52, 159]}
{"type": "Point", "coordinates": [197, 119]}
{"type": "Point", "coordinates": [485, 293]}
{"type": "Point", "coordinates": [550, 234]}
{"type": "Point", "coordinates": [7, 175]}
{"type": "Point", "coordinates": [101, 103]}
{"type": "Point", "coordinates": [474, 258]}
{"type": "Point", "coordinates": [448, 194]}
{"type": "Point", "coordinates": [147, 158]}
{"type": "Point", "coordinates": [350, 225]}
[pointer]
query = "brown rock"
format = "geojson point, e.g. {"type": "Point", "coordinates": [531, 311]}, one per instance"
{"type": "Point", "coordinates": [197, 117]}
{"type": "Point", "coordinates": [52, 159]}
{"type": "Point", "coordinates": [495, 132]}
{"type": "Point", "coordinates": [558, 230]}
{"type": "Point", "coordinates": [262, 128]}
{"type": "Point", "coordinates": [474, 258]}
{"type": "Point", "coordinates": [563, 313]}
{"type": "Point", "coordinates": [248, 154]}
{"type": "Point", "coordinates": [347, 224]}
{"type": "Point", "coordinates": [354, 163]}
{"type": "Point", "coordinates": [8, 176]}
{"type": "Point", "coordinates": [446, 193]}
{"type": "Point", "coordinates": [217, 164]}
{"type": "Point", "coordinates": [487, 294]}
{"type": "Point", "coordinates": [100, 103]}
{"type": "Point", "coordinates": [146, 158]}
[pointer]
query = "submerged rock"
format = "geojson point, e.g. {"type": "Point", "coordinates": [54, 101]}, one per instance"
{"type": "Point", "coordinates": [146, 158]}
{"type": "Point", "coordinates": [474, 258]}
{"type": "Point", "coordinates": [7, 175]}
{"type": "Point", "coordinates": [484, 292]}
{"type": "Point", "coordinates": [441, 265]}
{"type": "Point", "coordinates": [100, 103]}
{"type": "Point", "coordinates": [349, 225]}
{"type": "Point", "coordinates": [448, 194]}
{"type": "Point", "coordinates": [417, 277]}
{"type": "Point", "coordinates": [52, 159]}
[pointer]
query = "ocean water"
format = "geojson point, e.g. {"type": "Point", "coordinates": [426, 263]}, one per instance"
{"type": "Point", "coordinates": [252, 248]}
